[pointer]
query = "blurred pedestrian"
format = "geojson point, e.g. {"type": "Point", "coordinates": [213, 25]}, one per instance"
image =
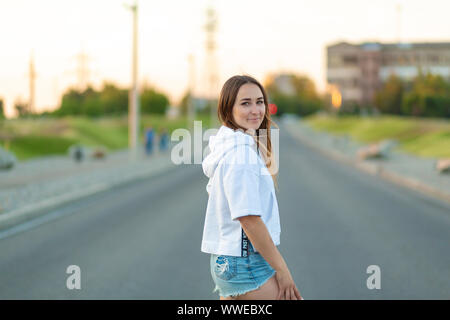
{"type": "Point", "coordinates": [163, 140]}
{"type": "Point", "coordinates": [149, 137]}
{"type": "Point", "coordinates": [78, 153]}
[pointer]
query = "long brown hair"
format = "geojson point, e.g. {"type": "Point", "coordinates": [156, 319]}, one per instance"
{"type": "Point", "coordinates": [227, 100]}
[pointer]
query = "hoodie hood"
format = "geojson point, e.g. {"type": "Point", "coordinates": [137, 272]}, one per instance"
{"type": "Point", "coordinates": [225, 140]}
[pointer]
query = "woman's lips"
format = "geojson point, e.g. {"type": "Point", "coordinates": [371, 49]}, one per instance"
{"type": "Point", "coordinates": [257, 119]}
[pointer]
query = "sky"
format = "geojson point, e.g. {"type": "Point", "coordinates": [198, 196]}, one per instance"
{"type": "Point", "coordinates": [255, 37]}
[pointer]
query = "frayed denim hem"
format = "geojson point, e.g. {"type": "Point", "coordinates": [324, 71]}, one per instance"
{"type": "Point", "coordinates": [242, 292]}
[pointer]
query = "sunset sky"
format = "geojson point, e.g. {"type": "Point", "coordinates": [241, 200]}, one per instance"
{"type": "Point", "coordinates": [256, 37]}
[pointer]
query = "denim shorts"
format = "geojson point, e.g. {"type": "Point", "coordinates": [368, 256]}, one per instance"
{"type": "Point", "coordinates": [235, 276]}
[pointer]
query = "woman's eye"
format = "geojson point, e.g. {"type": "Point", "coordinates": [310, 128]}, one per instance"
{"type": "Point", "coordinates": [246, 103]}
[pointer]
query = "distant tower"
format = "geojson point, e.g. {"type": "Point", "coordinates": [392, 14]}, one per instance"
{"type": "Point", "coordinates": [32, 75]}
{"type": "Point", "coordinates": [83, 71]}
{"type": "Point", "coordinates": [191, 88]}
{"type": "Point", "coordinates": [211, 60]}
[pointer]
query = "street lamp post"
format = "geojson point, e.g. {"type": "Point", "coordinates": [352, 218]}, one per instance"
{"type": "Point", "coordinates": [133, 109]}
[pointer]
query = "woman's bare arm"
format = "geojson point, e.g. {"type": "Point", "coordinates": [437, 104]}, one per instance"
{"type": "Point", "coordinates": [259, 236]}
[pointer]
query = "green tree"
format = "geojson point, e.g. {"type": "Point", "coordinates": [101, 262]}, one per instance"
{"type": "Point", "coordinates": [389, 98]}
{"type": "Point", "coordinates": [153, 101]}
{"type": "Point", "coordinates": [429, 97]}
{"type": "Point", "coordinates": [110, 100]}
{"type": "Point", "coordinates": [2, 110]}
{"type": "Point", "coordinates": [113, 100]}
{"type": "Point", "coordinates": [91, 105]}
{"type": "Point", "coordinates": [296, 95]}
{"type": "Point", "coordinates": [70, 103]}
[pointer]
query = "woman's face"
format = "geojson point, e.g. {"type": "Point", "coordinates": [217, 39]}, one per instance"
{"type": "Point", "coordinates": [249, 107]}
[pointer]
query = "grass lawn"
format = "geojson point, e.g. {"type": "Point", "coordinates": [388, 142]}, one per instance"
{"type": "Point", "coordinates": [29, 138]}
{"type": "Point", "coordinates": [419, 136]}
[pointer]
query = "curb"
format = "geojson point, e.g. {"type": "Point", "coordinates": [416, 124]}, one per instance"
{"type": "Point", "coordinates": [17, 216]}
{"type": "Point", "coordinates": [20, 215]}
{"type": "Point", "coordinates": [374, 169]}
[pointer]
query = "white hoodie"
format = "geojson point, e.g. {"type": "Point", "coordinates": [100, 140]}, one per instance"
{"type": "Point", "coordinates": [239, 185]}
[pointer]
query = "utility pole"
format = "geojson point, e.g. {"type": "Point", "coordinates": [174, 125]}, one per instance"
{"type": "Point", "coordinates": [133, 109]}
{"type": "Point", "coordinates": [211, 63]}
{"type": "Point", "coordinates": [82, 70]}
{"type": "Point", "coordinates": [32, 75]}
{"type": "Point", "coordinates": [191, 107]}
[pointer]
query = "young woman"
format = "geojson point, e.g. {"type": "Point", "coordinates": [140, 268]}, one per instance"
{"type": "Point", "coordinates": [242, 226]}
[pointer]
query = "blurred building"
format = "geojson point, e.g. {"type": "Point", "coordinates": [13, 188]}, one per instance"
{"type": "Point", "coordinates": [359, 70]}
{"type": "Point", "coordinates": [284, 83]}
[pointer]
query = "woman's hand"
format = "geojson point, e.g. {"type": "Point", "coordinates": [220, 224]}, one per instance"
{"type": "Point", "coordinates": [286, 285]}
{"type": "Point", "coordinates": [259, 236]}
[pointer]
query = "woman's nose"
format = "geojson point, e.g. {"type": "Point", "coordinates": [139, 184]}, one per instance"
{"type": "Point", "coordinates": [254, 109]}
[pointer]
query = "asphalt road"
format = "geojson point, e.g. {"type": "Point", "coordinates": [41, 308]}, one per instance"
{"type": "Point", "coordinates": [142, 240]}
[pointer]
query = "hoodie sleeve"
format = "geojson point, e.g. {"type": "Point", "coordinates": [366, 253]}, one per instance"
{"type": "Point", "coordinates": [241, 186]}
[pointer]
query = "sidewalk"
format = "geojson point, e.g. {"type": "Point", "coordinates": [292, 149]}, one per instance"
{"type": "Point", "coordinates": [401, 168]}
{"type": "Point", "coordinates": [47, 182]}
